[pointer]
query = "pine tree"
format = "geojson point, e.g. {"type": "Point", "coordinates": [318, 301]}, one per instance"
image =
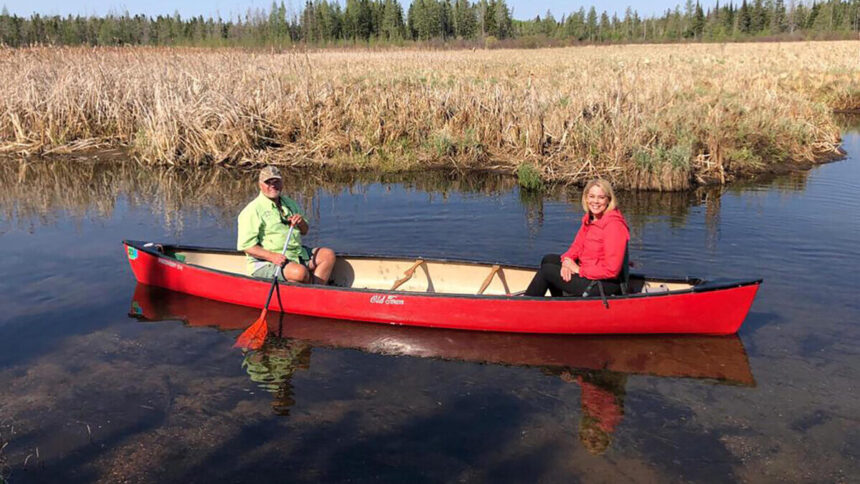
{"type": "Point", "coordinates": [591, 24]}
{"type": "Point", "coordinates": [603, 30]}
{"type": "Point", "coordinates": [744, 19]}
{"type": "Point", "coordinates": [778, 20]}
{"type": "Point", "coordinates": [465, 20]}
{"type": "Point", "coordinates": [698, 25]}
{"type": "Point", "coordinates": [392, 21]}
{"type": "Point", "coordinates": [504, 23]}
{"type": "Point", "coordinates": [729, 19]}
{"type": "Point", "coordinates": [575, 25]}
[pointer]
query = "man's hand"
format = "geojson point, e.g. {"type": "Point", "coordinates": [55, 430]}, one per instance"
{"type": "Point", "coordinates": [279, 260]}
{"type": "Point", "coordinates": [298, 222]}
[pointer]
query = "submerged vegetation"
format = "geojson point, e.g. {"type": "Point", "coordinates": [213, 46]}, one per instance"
{"type": "Point", "coordinates": [659, 117]}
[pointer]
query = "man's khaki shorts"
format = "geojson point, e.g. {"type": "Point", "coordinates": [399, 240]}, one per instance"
{"type": "Point", "coordinates": [268, 270]}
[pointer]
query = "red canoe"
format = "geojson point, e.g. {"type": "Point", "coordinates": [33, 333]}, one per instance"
{"type": "Point", "coordinates": [717, 358]}
{"type": "Point", "coordinates": [450, 294]}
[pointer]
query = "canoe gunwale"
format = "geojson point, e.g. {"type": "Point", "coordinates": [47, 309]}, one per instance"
{"type": "Point", "coordinates": [698, 285]}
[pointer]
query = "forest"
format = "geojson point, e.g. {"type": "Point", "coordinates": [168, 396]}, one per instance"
{"type": "Point", "coordinates": [457, 23]}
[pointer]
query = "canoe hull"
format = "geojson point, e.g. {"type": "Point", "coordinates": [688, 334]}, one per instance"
{"type": "Point", "coordinates": [718, 310]}
{"type": "Point", "coordinates": [717, 358]}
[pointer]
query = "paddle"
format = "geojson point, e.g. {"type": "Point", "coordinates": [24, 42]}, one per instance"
{"type": "Point", "coordinates": [253, 337]}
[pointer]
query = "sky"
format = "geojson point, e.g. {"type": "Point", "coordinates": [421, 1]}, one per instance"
{"type": "Point", "coordinates": [523, 9]}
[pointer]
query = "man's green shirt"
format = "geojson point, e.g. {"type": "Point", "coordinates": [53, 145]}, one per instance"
{"type": "Point", "coordinates": [261, 223]}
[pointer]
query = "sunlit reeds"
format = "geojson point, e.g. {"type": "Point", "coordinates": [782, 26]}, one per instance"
{"type": "Point", "coordinates": [661, 117]}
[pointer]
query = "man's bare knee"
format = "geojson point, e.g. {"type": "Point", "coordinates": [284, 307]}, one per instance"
{"type": "Point", "coordinates": [295, 272]}
{"type": "Point", "coordinates": [324, 254]}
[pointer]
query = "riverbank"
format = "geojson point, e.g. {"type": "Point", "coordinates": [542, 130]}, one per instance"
{"type": "Point", "coordinates": [663, 117]}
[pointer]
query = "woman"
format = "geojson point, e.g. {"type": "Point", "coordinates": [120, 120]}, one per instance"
{"type": "Point", "coordinates": [596, 254]}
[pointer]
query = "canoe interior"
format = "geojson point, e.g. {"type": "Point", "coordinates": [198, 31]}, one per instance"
{"type": "Point", "coordinates": [430, 276]}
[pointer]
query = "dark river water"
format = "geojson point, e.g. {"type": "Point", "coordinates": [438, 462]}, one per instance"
{"type": "Point", "coordinates": [102, 380]}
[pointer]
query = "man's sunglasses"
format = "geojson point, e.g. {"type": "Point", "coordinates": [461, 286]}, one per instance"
{"type": "Point", "coordinates": [273, 182]}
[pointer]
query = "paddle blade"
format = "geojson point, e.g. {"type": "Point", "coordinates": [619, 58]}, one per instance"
{"type": "Point", "coordinates": [253, 337]}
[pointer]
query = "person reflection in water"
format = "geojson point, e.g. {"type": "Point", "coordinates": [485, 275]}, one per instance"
{"type": "Point", "coordinates": [602, 403]}
{"type": "Point", "coordinates": [594, 259]}
{"type": "Point", "coordinates": [272, 369]}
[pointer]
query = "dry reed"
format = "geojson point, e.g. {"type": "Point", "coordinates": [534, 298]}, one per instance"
{"type": "Point", "coordinates": [660, 117]}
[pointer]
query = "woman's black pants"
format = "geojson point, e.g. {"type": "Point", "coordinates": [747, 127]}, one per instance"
{"type": "Point", "coordinates": [549, 277]}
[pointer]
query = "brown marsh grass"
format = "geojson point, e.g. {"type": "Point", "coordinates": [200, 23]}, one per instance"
{"type": "Point", "coordinates": [646, 116]}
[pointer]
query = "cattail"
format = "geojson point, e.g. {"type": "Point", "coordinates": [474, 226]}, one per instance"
{"type": "Point", "coordinates": [648, 116]}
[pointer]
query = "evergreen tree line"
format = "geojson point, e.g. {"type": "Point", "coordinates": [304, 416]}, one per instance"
{"type": "Point", "coordinates": [748, 20]}
{"type": "Point", "coordinates": [324, 22]}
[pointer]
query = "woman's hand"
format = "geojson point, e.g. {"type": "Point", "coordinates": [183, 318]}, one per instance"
{"type": "Point", "coordinates": [568, 269]}
{"type": "Point", "coordinates": [566, 274]}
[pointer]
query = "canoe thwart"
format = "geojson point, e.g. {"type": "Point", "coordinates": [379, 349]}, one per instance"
{"type": "Point", "coordinates": [407, 275]}
{"type": "Point", "coordinates": [489, 278]}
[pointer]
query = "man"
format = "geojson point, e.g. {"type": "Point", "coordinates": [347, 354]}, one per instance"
{"type": "Point", "coordinates": [263, 227]}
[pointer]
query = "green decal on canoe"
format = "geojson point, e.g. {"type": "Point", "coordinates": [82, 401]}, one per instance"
{"type": "Point", "coordinates": [132, 253]}
{"type": "Point", "coordinates": [135, 308]}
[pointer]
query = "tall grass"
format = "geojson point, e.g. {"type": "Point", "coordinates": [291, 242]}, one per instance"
{"type": "Point", "coordinates": [661, 117]}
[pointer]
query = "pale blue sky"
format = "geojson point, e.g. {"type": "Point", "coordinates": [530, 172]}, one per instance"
{"type": "Point", "coordinates": [523, 9]}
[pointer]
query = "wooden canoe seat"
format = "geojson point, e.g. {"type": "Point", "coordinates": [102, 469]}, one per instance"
{"type": "Point", "coordinates": [407, 275]}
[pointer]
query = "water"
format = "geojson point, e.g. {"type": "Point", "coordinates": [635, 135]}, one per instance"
{"type": "Point", "coordinates": [90, 393]}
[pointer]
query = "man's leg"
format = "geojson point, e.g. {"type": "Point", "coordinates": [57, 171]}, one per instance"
{"type": "Point", "coordinates": [294, 272]}
{"type": "Point", "coordinates": [321, 264]}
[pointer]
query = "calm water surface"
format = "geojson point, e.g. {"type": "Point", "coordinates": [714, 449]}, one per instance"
{"type": "Point", "coordinates": [90, 393]}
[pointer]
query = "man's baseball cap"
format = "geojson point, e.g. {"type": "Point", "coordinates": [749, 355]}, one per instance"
{"type": "Point", "coordinates": [269, 172]}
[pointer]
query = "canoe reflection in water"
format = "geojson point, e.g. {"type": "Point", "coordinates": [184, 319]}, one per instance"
{"type": "Point", "coordinates": [600, 365]}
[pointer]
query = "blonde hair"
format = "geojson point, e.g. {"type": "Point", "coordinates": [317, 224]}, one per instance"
{"type": "Point", "coordinates": [607, 189]}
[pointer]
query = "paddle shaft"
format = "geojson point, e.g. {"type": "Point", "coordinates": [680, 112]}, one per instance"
{"type": "Point", "coordinates": [275, 279]}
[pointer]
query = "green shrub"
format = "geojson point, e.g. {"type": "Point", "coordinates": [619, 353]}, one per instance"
{"type": "Point", "coordinates": [529, 178]}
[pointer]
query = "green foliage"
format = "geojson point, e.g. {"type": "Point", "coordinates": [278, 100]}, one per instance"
{"type": "Point", "coordinates": [443, 146]}
{"type": "Point", "coordinates": [744, 158]}
{"type": "Point", "coordinates": [678, 155]}
{"type": "Point", "coordinates": [529, 178]}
